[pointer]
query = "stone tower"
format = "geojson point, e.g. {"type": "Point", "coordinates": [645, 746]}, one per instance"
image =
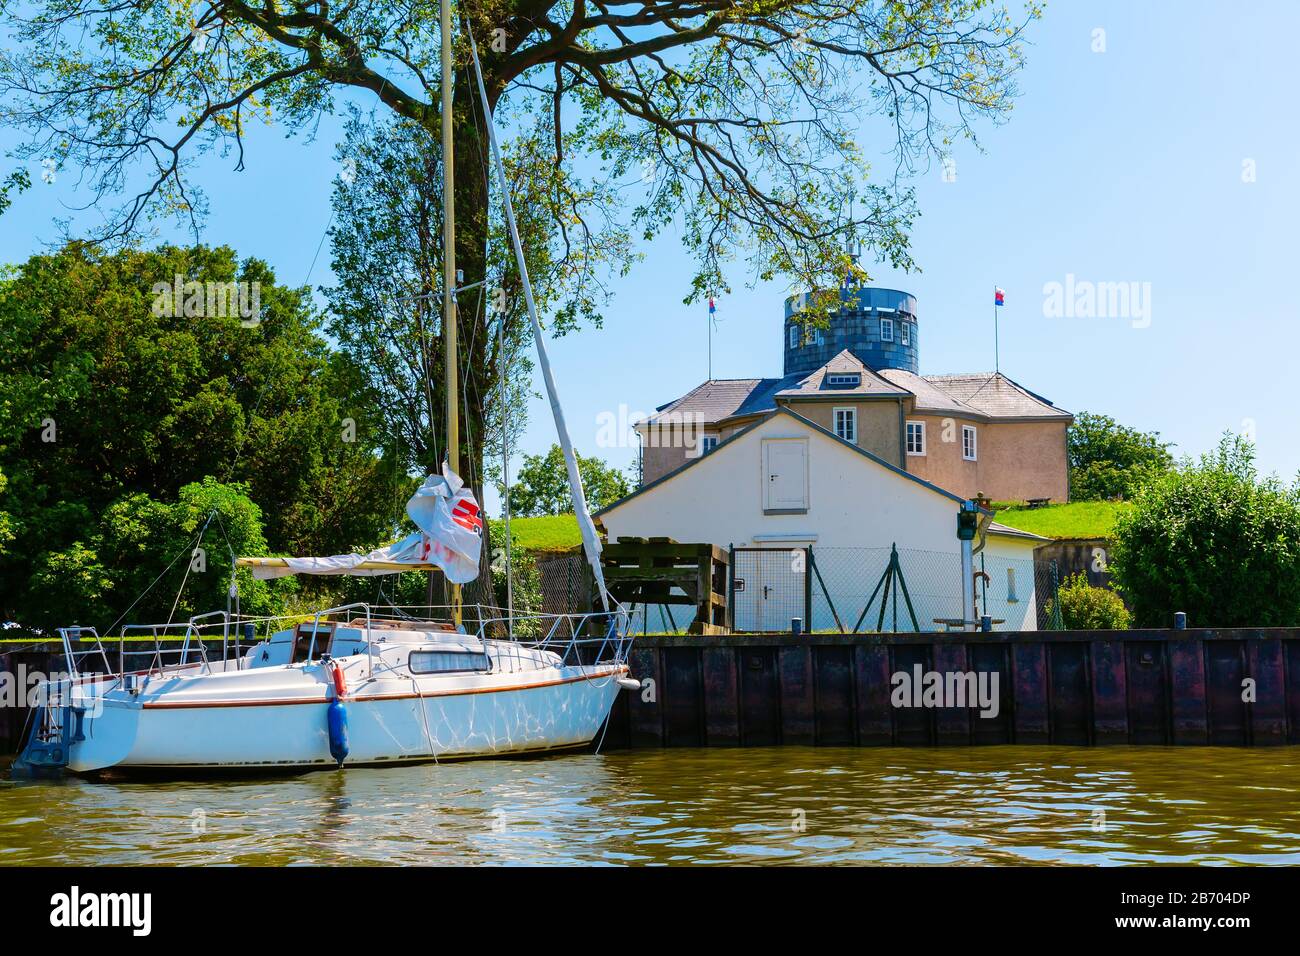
{"type": "Point", "coordinates": [876, 325]}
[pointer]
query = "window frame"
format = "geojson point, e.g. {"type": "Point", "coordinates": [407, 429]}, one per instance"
{"type": "Point", "coordinates": [852, 417]}
{"type": "Point", "coordinates": [907, 439]}
{"type": "Point", "coordinates": [886, 324]}
{"type": "Point", "coordinates": [974, 443]}
{"type": "Point", "coordinates": [708, 443]}
{"type": "Point", "coordinates": [480, 657]}
{"type": "Point", "coordinates": [795, 337]}
{"type": "Point", "coordinates": [904, 334]}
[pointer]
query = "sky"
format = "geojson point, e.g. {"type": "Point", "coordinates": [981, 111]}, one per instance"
{"type": "Point", "coordinates": [1160, 152]}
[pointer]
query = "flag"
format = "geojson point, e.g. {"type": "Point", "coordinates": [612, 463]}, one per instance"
{"type": "Point", "coordinates": [712, 308]}
{"type": "Point", "coordinates": [999, 297]}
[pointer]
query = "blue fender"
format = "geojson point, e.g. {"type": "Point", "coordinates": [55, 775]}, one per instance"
{"type": "Point", "coordinates": [337, 718]}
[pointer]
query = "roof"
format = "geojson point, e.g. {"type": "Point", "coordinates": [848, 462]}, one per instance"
{"type": "Point", "coordinates": [714, 400]}
{"type": "Point", "coordinates": [995, 395]}
{"type": "Point", "coordinates": [1008, 532]}
{"type": "Point", "coordinates": [929, 398]}
{"type": "Point", "coordinates": [781, 410]}
{"type": "Point", "coordinates": [981, 395]}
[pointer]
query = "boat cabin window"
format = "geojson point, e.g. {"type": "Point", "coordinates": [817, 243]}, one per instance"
{"type": "Point", "coordinates": [447, 662]}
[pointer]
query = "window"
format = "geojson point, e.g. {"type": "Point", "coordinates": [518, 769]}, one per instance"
{"type": "Point", "coordinates": [447, 662]}
{"type": "Point", "coordinates": [886, 330]}
{"type": "Point", "coordinates": [843, 379]}
{"type": "Point", "coordinates": [819, 337]}
{"type": "Point", "coordinates": [904, 333]}
{"type": "Point", "coordinates": [708, 443]}
{"type": "Point", "coordinates": [968, 442]}
{"type": "Point", "coordinates": [916, 438]}
{"type": "Point", "coordinates": [846, 424]}
{"type": "Point", "coordinates": [794, 336]}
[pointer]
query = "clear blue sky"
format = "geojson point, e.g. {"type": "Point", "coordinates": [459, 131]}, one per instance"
{"type": "Point", "coordinates": [1119, 166]}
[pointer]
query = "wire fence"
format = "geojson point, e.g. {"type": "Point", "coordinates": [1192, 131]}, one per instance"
{"type": "Point", "coordinates": [844, 590]}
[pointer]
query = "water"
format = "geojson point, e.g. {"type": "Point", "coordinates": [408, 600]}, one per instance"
{"type": "Point", "coordinates": [1002, 805]}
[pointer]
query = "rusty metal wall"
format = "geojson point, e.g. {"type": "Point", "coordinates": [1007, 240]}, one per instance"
{"type": "Point", "coordinates": [1063, 687]}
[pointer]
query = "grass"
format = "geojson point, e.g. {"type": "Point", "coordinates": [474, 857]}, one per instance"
{"type": "Point", "coordinates": [1079, 519]}
{"type": "Point", "coordinates": [546, 533]}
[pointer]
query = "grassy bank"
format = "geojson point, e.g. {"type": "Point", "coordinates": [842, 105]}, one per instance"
{"type": "Point", "coordinates": [545, 533]}
{"type": "Point", "coordinates": [1079, 519]}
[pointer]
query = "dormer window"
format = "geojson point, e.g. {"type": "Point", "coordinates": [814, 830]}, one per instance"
{"type": "Point", "coordinates": [843, 379]}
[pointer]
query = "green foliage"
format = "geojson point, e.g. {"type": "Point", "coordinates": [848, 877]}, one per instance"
{"type": "Point", "coordinates": [542, 485]}
{"type": "Point", "coordinates": [107, 393]}
{"type": "Point", "coordinates": [1077, 519]}
{"type": "Point", "coordinates": [1212, 539]}
{"type": "Point", "coordinates": [1109, 461]}
{"type": "Point", "coordinates": [1088, 608]}
{"type": "Point", "coordinates": [525, 577]}
{"type": "Point", "coordinates": [91, 581]}
{"type": "Point", "coordinates": [17, 181]}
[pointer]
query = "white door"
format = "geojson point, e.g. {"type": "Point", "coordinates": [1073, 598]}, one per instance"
{"type": "Point", "coordinates": [785, 474]}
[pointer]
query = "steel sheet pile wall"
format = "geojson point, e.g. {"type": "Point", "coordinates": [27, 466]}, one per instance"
{"type": "Point", "coordinates": [1070, 687]}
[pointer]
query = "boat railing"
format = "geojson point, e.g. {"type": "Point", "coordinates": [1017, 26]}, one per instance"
{"type": "Point", "coordinates": [75, 657]}
{"type": "Point", "coordinates": [160, 659]}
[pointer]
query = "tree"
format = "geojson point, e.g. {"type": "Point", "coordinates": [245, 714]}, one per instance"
{"type": "Point", "coordinates": [1109, 461]}
{"type": "Point", "coordinates": [1212, 539]}
{"type": "Point", "coordinates": [125, 555]}
{"type": "Point", "coordinates": [109, 389]}
{"type": "Point", "coordinates": [542, 485]}
{"type": "Point", "coordinates": [737, 118]}
{"type": "Point", "coordinates": [1085, 607]}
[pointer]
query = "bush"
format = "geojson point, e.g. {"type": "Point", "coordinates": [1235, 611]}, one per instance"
{"type": "Point", "coordinates": [1212, 539]}
{"type": "Point", "coordinates": [1088, 608]}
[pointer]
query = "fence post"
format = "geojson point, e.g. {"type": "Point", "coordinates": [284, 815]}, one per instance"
{"type": "Point", "coordinates": [731, 587]}
{"type": "Point", "coordinates": [807, 590]}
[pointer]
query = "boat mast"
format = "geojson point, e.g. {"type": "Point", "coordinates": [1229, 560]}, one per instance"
{"type": "Point", "coordinates": [449, 271]}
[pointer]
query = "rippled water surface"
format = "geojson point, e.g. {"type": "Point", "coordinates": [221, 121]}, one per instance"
{"type": "Point", "coordinates": [1012, 805]}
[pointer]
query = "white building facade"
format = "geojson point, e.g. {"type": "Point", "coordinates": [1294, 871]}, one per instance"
{"type": "Point", "coordinates": [785, 485]}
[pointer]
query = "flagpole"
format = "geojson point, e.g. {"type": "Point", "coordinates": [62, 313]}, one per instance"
{"type": "Point", "coordinates": [997, 367]}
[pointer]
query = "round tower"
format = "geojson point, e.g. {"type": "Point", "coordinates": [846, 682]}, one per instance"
{"type": "Point", "coordinates": [876, 325]}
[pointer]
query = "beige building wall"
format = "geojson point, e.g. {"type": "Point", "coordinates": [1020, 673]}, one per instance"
{"type": "Point", "coordinates": [665, 449]}
{"type": "Point", "coordinates": [1015, 461]}
{"type": "Point", "coordinates": [1023, 460]}
{"type": "Point", "coordinates": [878, 423]}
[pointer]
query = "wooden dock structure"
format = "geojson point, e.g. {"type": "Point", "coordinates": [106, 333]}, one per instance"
{"type": "Point", "coordinates": [662, 571]}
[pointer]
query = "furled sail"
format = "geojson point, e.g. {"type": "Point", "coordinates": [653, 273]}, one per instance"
{"type": "Point", "coordinates": [449, 537]}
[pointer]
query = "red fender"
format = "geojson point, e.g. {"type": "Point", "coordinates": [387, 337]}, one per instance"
{"type": "Point", "coordinates": [340, 682]}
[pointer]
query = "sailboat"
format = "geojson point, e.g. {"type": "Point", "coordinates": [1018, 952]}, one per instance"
{"type": "Point", "coordinates": [357, 685]}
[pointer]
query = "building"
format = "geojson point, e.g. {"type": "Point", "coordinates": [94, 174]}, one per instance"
{"type": "Point", "coordinates": [969, 434]}
{"type": "Point", "coordinates": [779, 483]}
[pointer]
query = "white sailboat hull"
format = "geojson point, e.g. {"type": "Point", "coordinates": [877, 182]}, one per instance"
{"type": "Point", "coordinates": [276, 718]}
